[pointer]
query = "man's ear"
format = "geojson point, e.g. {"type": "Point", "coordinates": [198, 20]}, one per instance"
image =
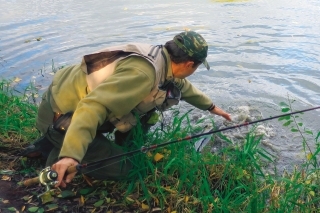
{"type": "Point", "coordinates": [189, 64]}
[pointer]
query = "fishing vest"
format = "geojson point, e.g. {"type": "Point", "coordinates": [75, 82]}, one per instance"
{"type": "Point", "coordinates": [99, 66]}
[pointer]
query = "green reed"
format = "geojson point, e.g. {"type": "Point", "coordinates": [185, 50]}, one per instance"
{"type": "Point", "coordinates": [233, 181]}
{"type": "Point", "coordinates": [17, 114]}
{"type": "Point", "coordinates": [177, 178]}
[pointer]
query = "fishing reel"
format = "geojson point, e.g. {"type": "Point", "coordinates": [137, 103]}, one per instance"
{"type": "Point", "coordinates": [48, 178]}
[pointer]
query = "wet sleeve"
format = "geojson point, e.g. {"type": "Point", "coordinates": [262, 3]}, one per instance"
{"type": "Point", "coordinates": [131, 82]}
{"type": "Point", "coordinates": [193, 95]}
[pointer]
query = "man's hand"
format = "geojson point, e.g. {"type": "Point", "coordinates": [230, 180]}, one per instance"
{"type": "Point", "coordinates": [227, 116]}
{"type": "Point", "coordinates": [218, 111]}
{"type": "Point", "coordinates": [61, 167]}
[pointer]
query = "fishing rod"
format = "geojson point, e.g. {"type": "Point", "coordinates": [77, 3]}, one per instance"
{"type": "Point", "coordinates": [48, 177]}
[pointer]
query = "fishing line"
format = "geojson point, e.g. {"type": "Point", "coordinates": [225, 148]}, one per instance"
{"type": "Point", "coordinates": [145, 149]}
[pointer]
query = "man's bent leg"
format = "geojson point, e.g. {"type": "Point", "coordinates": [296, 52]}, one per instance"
{"type": "Point", "coordinates": [102, 148]}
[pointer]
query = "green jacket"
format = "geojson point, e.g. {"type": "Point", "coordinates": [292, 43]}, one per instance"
{"type": "Point", "coordinates": [130, 83]}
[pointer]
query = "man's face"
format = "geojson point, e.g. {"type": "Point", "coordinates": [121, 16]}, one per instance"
{"type": "Point", "coordinates": [184, 70]}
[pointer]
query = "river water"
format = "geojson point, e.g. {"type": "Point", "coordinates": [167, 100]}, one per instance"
{"type": "Point", "coordinates": [261, 52]}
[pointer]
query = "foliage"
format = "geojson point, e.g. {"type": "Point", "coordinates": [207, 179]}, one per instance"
{"type": "Point", "coordinates": [17, 114]}
{"type": "Point", "coordinates": [177, 178]}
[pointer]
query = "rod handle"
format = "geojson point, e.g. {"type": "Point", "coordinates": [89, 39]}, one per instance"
{"type": "Point", "coordinates": [36, 180]}
{"type": "Point", "coordinates": [72, 169]}
{"type": "Point", "coordinates": [29, 182]}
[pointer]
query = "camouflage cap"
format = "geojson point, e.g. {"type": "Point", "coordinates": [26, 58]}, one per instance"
{"type": "Point", "coordinates": [194, 45]}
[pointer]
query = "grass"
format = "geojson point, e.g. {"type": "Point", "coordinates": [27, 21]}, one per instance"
{"type": "Point", "coordinates": [17, 115]}
{"type": "Point", "coordinates": [174, 178]}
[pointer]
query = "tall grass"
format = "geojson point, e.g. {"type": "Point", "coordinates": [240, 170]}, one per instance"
{"type": "Point", "coordinates": [234, 181]}
{"type": "Point", "coordinates": [177, 178]}
{"type": "Point", "coordinates": [17, 115]}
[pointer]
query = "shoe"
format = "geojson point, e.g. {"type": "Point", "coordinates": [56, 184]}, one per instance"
{"type": "Point", "coordinates": [40, 148]}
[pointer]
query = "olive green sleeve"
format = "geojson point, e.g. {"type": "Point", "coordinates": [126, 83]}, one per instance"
{"type": "Point", "coordinates": [193, 95]}
{"type": "Point", "coordinates": [130, 83]}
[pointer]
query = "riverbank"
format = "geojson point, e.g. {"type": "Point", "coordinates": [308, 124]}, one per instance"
{"type": "Point", "coordinates": [175, 178]}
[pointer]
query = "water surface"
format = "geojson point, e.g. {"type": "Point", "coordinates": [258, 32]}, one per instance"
{"type": "Point", "coordinates": [261, 52]}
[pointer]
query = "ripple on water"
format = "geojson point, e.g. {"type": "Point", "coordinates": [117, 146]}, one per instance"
{"type": "Point", "coordinates": [257, 60]}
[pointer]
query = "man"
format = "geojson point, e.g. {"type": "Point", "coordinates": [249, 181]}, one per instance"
{"type": "Point", "coordinates": [111, 89]}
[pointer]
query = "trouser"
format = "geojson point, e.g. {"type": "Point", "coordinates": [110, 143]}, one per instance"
{"type": "Point", "coordinates": [100, 148]}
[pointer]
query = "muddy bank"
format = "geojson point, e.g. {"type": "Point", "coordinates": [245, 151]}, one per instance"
{"type": "Point", "coordinates": [11, 196]}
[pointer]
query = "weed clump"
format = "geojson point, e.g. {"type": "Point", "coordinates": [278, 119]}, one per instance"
{"type": "Point", "coordinates": [172, 178]}
{"type": "Point", "coordinates": [17, 115]}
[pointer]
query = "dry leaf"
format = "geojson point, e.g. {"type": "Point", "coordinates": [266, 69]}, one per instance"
{"type": "Point", "coordinates": [17, 79]}
{"type": "Point", "coordinates": [129, 199]}
{"type": "Point", "coordinates": [156, 209]}
{"type": "Point", "coordinates": [158, 157]}
{"type": "Point", "coordinates": [156, 200]}
{"type": "Point", "coordinates": [167, 151]}
{"type": "Point", "coordinates": [138, 202]}
{"type": "Point", "coordinates": [108, 199]}
{"type": "Point", "coordinates": [30, 200]}
{"type": "Point", "coordinates": [87, 179]}
{"type": "Point", "coordinates": [149, 154]}
{"type": "Point", "coordinates": [6, 178]}
{"type": "Point", "coordinates": [81, 201]}
{"type": "Point", "coordinates": [144, 206]}
{"type": "Point", "coordinates": [309, 156]}
{"type": "Point", "coordinates": [167, 188]}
